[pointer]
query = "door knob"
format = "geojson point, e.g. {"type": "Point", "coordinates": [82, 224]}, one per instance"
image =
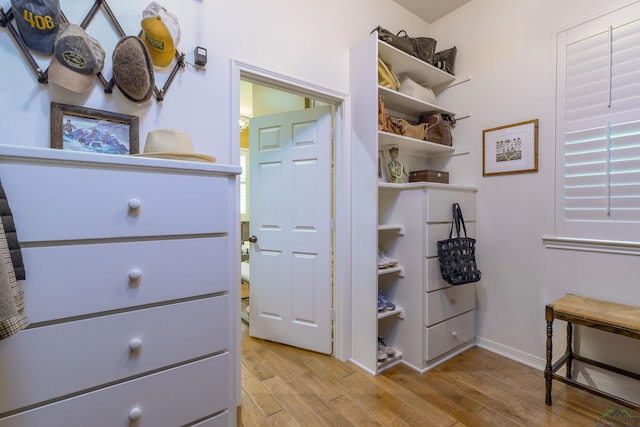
{"type": "Point", "coordinates": [253, 239]}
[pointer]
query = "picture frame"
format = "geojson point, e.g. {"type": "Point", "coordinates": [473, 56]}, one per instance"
{"type": "Point", "coordinates": [85, 129]}
{"type": "Point", "coordinates": [510, 149]}
{"type": "Point", "coordinates": [382, 167]}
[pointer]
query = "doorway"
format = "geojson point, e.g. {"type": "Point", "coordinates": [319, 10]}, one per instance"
{"type": "Point", "coordinates": [341, 225]}
{"type": "Point", "coordinates": [289, 188]}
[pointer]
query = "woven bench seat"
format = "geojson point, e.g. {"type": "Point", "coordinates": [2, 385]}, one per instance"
{"type": "Point", "coordinates": [607, 316]}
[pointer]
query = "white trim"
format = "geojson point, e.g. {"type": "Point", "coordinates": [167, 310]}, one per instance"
{"type": "Point", "coordinates": [342, 189]}
{"type": "Point", "coordinates": [511, 353]}
{"type": "Point", "coordinates": [590, 245]}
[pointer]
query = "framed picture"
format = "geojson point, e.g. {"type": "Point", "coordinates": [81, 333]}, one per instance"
{"type": "Point", "coordinates": [85, 129]}
{"type": "Point", "coordinates": [510, 149]}
{"type": "Point", "coordinates": [382, 167]}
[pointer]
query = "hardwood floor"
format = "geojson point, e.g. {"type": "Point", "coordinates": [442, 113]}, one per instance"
{"type": "Point", "coordinates": [286, 386]}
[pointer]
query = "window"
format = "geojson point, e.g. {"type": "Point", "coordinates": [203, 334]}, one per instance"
{"type": "Point", "coordinates": [598, 129]}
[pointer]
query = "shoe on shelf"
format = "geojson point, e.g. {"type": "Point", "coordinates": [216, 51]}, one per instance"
{"type": "Point", "coordinates": [388, 305]}
{"type": "Point", "coordinates": [382, 347]}
{"type": "Point", "coordinates": [382, 356]}
{"type": "Point", "coordinates": [381, 305]}
{"type": "Point", "coordinates": [385, 261]}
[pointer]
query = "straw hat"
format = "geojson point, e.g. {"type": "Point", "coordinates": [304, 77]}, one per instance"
{"type": "Point", "coordinates": [172, 144]}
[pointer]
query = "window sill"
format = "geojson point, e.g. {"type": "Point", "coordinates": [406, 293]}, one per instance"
{"type": "Point", "coordinates": [606, 246]}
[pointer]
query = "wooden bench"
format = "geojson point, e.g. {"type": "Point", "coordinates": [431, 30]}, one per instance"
{"type": "Point", "coordinates": [611, 317]}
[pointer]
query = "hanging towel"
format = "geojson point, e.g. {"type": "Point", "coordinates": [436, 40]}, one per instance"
{"type": "Point", "coordinates": [12, 315]}
{"type": "Point", "coordinates": [8, 308]}
{"type": "Point", "coordinates": [11, 235]}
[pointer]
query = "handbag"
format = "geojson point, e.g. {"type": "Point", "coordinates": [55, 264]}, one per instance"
{"type": "Point", "coordinates": [414, 90]}
{"type": "Point", "coordinates": [418, 131]}
{"type": "Point", "coordinates": [438, 127]}
{"type": "Point", "coordinates": [394, 40]}
{"type": "Point", "coordinates": [457, 255]}
{"type": "Point", "coordinates": [422, 48]}
{"type": "Point", "coordinates": [386, 77]}
{"type": "Point", "coordinates": [386, 123]}
{"type": "Point", "coordinates": [445, 59]}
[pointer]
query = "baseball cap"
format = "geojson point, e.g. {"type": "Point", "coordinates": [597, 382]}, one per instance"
{"type": "Point", "coordinates": [37, 22]}
{"type": "Point", "coordinates": [160, 33]}
{"type": "Point", "coordinates": [76, 60]}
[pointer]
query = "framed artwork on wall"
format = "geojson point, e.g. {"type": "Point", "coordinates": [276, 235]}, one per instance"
{"type": "Point", "coordinates": [85, 129]}
{"type": "Point", "coordinates": [510, 149]}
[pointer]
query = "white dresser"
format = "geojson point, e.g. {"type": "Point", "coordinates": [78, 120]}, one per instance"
{"type": "Point", "coordinates": [129, 291]}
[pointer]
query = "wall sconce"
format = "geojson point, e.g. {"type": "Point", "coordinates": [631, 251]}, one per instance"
{"type": "Point", "coordinates": [243, 122]}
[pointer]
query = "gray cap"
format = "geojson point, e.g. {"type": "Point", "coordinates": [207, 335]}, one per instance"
{"type": "Point", "coordinates": [77, 58]}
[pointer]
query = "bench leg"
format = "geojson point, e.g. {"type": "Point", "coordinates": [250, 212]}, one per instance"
{"type": "Point", "coordinates": [569, 351]}
{"type": "Point", "coordinates": [548, 373]}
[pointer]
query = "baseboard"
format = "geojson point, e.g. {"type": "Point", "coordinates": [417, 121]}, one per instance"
{"type": "Point", "coordinates": [511, 353]}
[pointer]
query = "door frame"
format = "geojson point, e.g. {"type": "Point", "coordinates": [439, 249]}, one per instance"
{"type": "Point", "coordinates": [342, 248]}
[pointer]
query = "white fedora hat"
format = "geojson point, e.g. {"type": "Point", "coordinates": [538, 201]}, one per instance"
{"type": "Point", "coordinates": [172, 144]}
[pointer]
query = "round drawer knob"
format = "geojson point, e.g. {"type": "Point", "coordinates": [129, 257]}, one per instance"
{"type": "Point", "coordinates": [135, 274]}
{"type": "Point", "coordinates": [135, 344]}
{"type": "Point", "coordinates": [454, 333]}
{"type": "Point", "coordinates": [134, 204]}
{"type": "Point", "coordinates": [135, 414]}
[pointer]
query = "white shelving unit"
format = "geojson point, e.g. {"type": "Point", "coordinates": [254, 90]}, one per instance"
{"type": "Point", "coordinates": [393, 217]}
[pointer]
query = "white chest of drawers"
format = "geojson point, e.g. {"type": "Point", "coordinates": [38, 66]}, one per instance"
{"type": "Point", "coordinates": [128, 291]}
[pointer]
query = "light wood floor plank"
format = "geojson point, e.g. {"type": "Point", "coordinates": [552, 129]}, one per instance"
{"type": "Point", "coordinates": [286, 386]}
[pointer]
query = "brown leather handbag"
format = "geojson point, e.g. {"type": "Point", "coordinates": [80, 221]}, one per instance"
{"type": "Point", "coordinates": [385, 123]}
{"type": "Point", "coordinates": [438, 127]}
{"type": "Point", "coordinates": [407, 129]}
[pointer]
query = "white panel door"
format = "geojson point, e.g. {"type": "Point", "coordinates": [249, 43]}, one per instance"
{"type": "Point", "coordinates": [290, 215]}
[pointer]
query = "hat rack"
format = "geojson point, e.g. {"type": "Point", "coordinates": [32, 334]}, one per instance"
{"type": "Point", "coordinates": [107, 85]}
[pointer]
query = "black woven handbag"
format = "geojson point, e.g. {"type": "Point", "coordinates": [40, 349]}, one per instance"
{"type": "Point", "coordinates": [457, 255]}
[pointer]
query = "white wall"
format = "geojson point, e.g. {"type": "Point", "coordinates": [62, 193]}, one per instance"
{"type": "Point", "coordinates": [506, 47]}
{"type": "Point", "coordinates": [305, 39]}
{"type": "Point", "coordinates": [504, 44]}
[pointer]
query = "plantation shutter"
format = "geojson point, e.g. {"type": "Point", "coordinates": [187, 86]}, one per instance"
{"type": "Point", "coordinates": [598, 127]}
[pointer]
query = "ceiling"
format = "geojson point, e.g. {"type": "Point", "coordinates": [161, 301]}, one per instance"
{"type": "Point", "coordinates": [431, 10]}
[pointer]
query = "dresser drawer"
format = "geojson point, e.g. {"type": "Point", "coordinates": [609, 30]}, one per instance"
{"type": "Point", "coordinates": [50, 361]}
{"type": "Point", "coordinates": [433, 275]}
{"type": "Point", "coordinates": [86, 201]}
{"type": "Point", "coordinates": [170, 398]}
{"type": "Point", "coordinates": [74, 280]}
{"type": "Point", "coordinates": [436, 232]}
{"type": "Point", "coordinates": [448, 335]}
{"type": "Point", "coordinates": [450, 302]}
{"type": "Point", "coordinates": [221, 420]}
{"type": "Point", "coordinates": [439, 202]}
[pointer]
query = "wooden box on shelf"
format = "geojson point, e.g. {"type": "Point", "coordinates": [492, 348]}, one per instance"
{"type": "Point", "coordinates": [429, 176]}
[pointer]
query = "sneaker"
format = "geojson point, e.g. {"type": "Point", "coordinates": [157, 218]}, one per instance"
{"type": "Point", "coordinates": [381, 304]}
{"type": "Point", "coordinates": [382, 356]}
{"type": "Point", "coordinates": [388, 305]}
{"type": "Point", "coordinates": [382, 347]}
{"type": "Point", "coordinates": [385, 261]}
